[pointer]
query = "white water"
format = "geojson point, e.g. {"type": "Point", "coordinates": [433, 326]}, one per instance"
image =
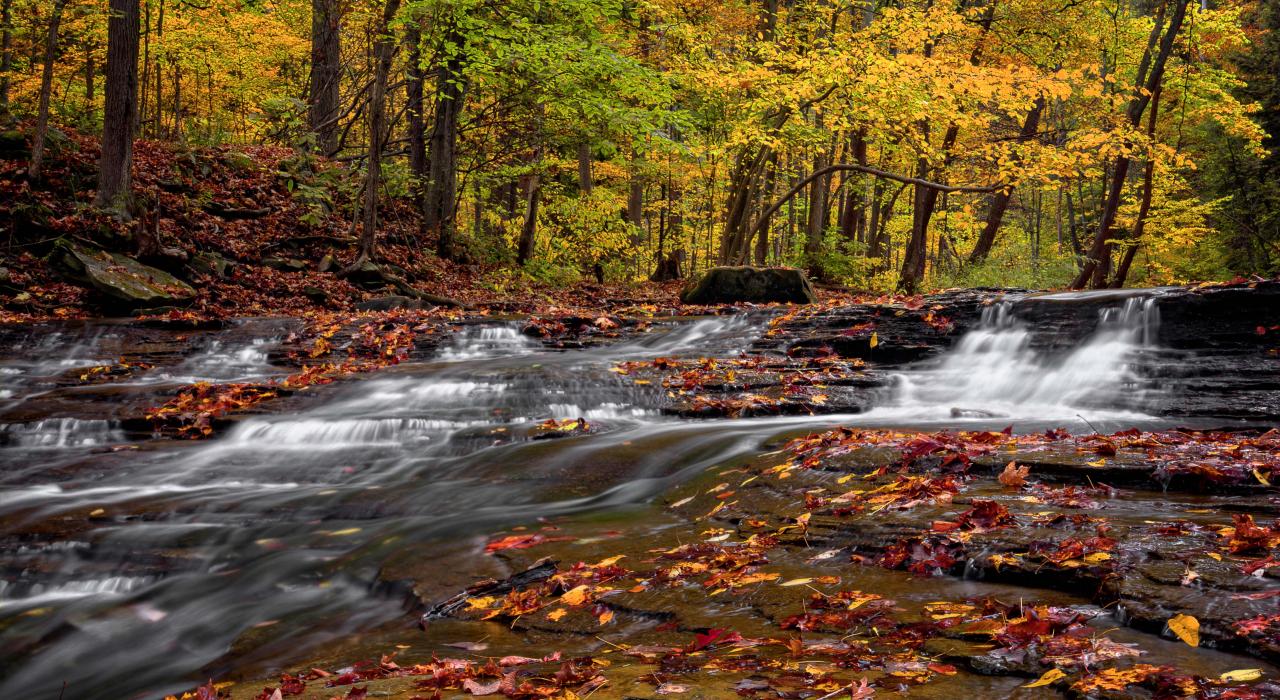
{"type": "Point", "coordinates": [994, 371]}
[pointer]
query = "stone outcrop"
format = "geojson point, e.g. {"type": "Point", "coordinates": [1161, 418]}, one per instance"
{"type": "Point", "coordinates": [121, 280]}
{"type": "Point", "coordinates": [760, 285]}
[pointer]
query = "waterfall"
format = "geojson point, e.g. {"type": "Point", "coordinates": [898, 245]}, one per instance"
{"type": "Point", "coordinates": [995, 370]}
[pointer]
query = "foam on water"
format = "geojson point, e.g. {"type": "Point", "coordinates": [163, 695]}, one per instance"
{"type": "Point", "coordinates": [60, 432]}
{"type": "Point", "coordinates": [479, 342]}
{"type": "Point", "coordinates": [994, 371]}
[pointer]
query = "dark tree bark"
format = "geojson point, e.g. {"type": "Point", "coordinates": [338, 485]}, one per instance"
{"type": "Point", "coordinates": [529, 230]}
{"type": "Point", "coordinates": [439, 213]}
{"type": "Point", "coordinates": [326, 71]}
{"type": "Point", "coordinates": [1000, 200]}
{"type": "Point", "coordinates": [115, 177]}
{"type": "Point", "coordinates": [384, 50]}
{"type": "Point", "coordinates": [46, 91]}
{"type": "Point", "coordinates": [853, 216]}
{"type": "Point", "coordinates": [585, 183]}
{"type": "Point", "coordinates": [1148, 83]}
{"type": "Point", "coordinates": [816, 224]}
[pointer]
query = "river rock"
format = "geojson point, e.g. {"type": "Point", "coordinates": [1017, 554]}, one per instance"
{"type": "Point", "coordinates": [121, 279]}
{"type": "Point", "coordinates": [729, 285]}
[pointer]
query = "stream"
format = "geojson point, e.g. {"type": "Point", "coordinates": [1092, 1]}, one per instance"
{"type": "Point", "coordinates": [132, 566]}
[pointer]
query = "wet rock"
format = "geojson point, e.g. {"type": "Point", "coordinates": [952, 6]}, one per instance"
{"type": "Point", "coordinates": [730, 285]}
{"type": "Point", "coordinates": [121, 279]}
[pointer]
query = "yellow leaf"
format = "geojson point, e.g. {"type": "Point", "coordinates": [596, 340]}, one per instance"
{"type": "Point", "coordinates": [1051, 676]}
{"type": "Point", "coordinates": [480, 603]}
{"type": "Point", "coordinates": [575, 596]}
{"type": "Point", "coordinates": [875, 339]}
{"type": "Point", "coordinates": [1186, 628]}
{"type": "Point", "coordinates": [1214, 555]}
{"type": "Point", "coordinates": [1097, 463]}
{"type": "Point", "coordinates": [1242, 675]}
{"type": "Point", "coordinates": [556, 614]}
{"type": "Point", "coordinates": [1261, 479]}
{"type": "Point", "coordinates": [796, 582]}
{"type": "Point", "coordinates": [610, 561]}
{"type": "Point", "coordinates": [341, 533]}
{"type": "Point", "coordinates": [605, 617]}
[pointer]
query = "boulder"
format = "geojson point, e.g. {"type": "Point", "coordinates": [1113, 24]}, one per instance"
{"type": "Point", "coordinates": [124, 282]}
{"type": "Point", "coordinates": [728, 285]}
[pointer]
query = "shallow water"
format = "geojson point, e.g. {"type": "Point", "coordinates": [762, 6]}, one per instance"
{"type": "Point", "coordinates": [128, 569]}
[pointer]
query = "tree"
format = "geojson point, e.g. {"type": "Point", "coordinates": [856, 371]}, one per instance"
{"type": "Point", "coordinates": [46, 90]}
{"type": "Point", "coordinates": [115, 176]}
{"type": "Point", "coordinates": [326, 71]}
{"type": "Point", "coordinates": [1148, 83]}
{"type": "Point", "coordinates": [384, 48]}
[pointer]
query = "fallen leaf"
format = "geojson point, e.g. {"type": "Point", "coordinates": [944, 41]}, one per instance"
{"type": "Point", "coordinates": [471, 686]}
{"type": "Point", "coordinates": [1051, 676]}
{"type": "Point", "coordinates": [1014, 476]}
{"type": "Point", "coordinates": [575, 596]}
{"type": "Point", "coordinates": [1241, 675]}
{"type": "Point", "coordinates": [1186, 628]}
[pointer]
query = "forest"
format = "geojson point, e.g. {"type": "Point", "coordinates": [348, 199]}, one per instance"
{"type": "Point", "coordinates": [639, 349]}
{"type": "Point", "coordinates": [880, 146]}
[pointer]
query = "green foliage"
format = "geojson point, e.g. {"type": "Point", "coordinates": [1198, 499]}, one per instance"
{"type": "Point", "coordinates": [1009, 268]}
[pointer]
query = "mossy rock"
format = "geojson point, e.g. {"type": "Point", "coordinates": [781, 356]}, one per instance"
{"type": "Point", "coordinates": [123, 281]}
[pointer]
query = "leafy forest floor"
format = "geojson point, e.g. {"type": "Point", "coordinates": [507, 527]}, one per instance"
{"type": "Point", "coordinates": [255, 231]}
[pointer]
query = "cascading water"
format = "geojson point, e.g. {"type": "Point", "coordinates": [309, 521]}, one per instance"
{"type": "Point", "coordinates": [999, 370]}
{"type": "Point", "coordinates": [286, 519]}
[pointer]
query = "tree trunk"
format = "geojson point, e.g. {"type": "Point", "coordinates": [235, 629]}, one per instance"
{"type": "Point", "coordinates": [584, 169]}
{"type": "Point", "coordinates": [115, 177]}
{"type": "Point", "coordinates": [90, 77]}
{"type": "Point", "coordinates": [439, 214]}
{"type": "Point", "coordinates": [6, 49]}
{"type": "Point", "coordinates": [415, 90]}
{"type": "Point", "coordinates": [529, 230]}
{"type": "Point", "coordinates": [853, 217]}
{"type": "Point", "coordinates": [46, 90]}
{"type": "Point", "coordinates": [1000, 201]}
{"type": "Point", "coordinates": [384, 49]}
{"type": "Point", "coordinates": [1094, 271]}
{"type": "Point", "coordinates": [816, 224]}
{"type": "Point", "coordinates": [1144, 207]}
{"type": "Point", "coordinates": [326, 71]}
